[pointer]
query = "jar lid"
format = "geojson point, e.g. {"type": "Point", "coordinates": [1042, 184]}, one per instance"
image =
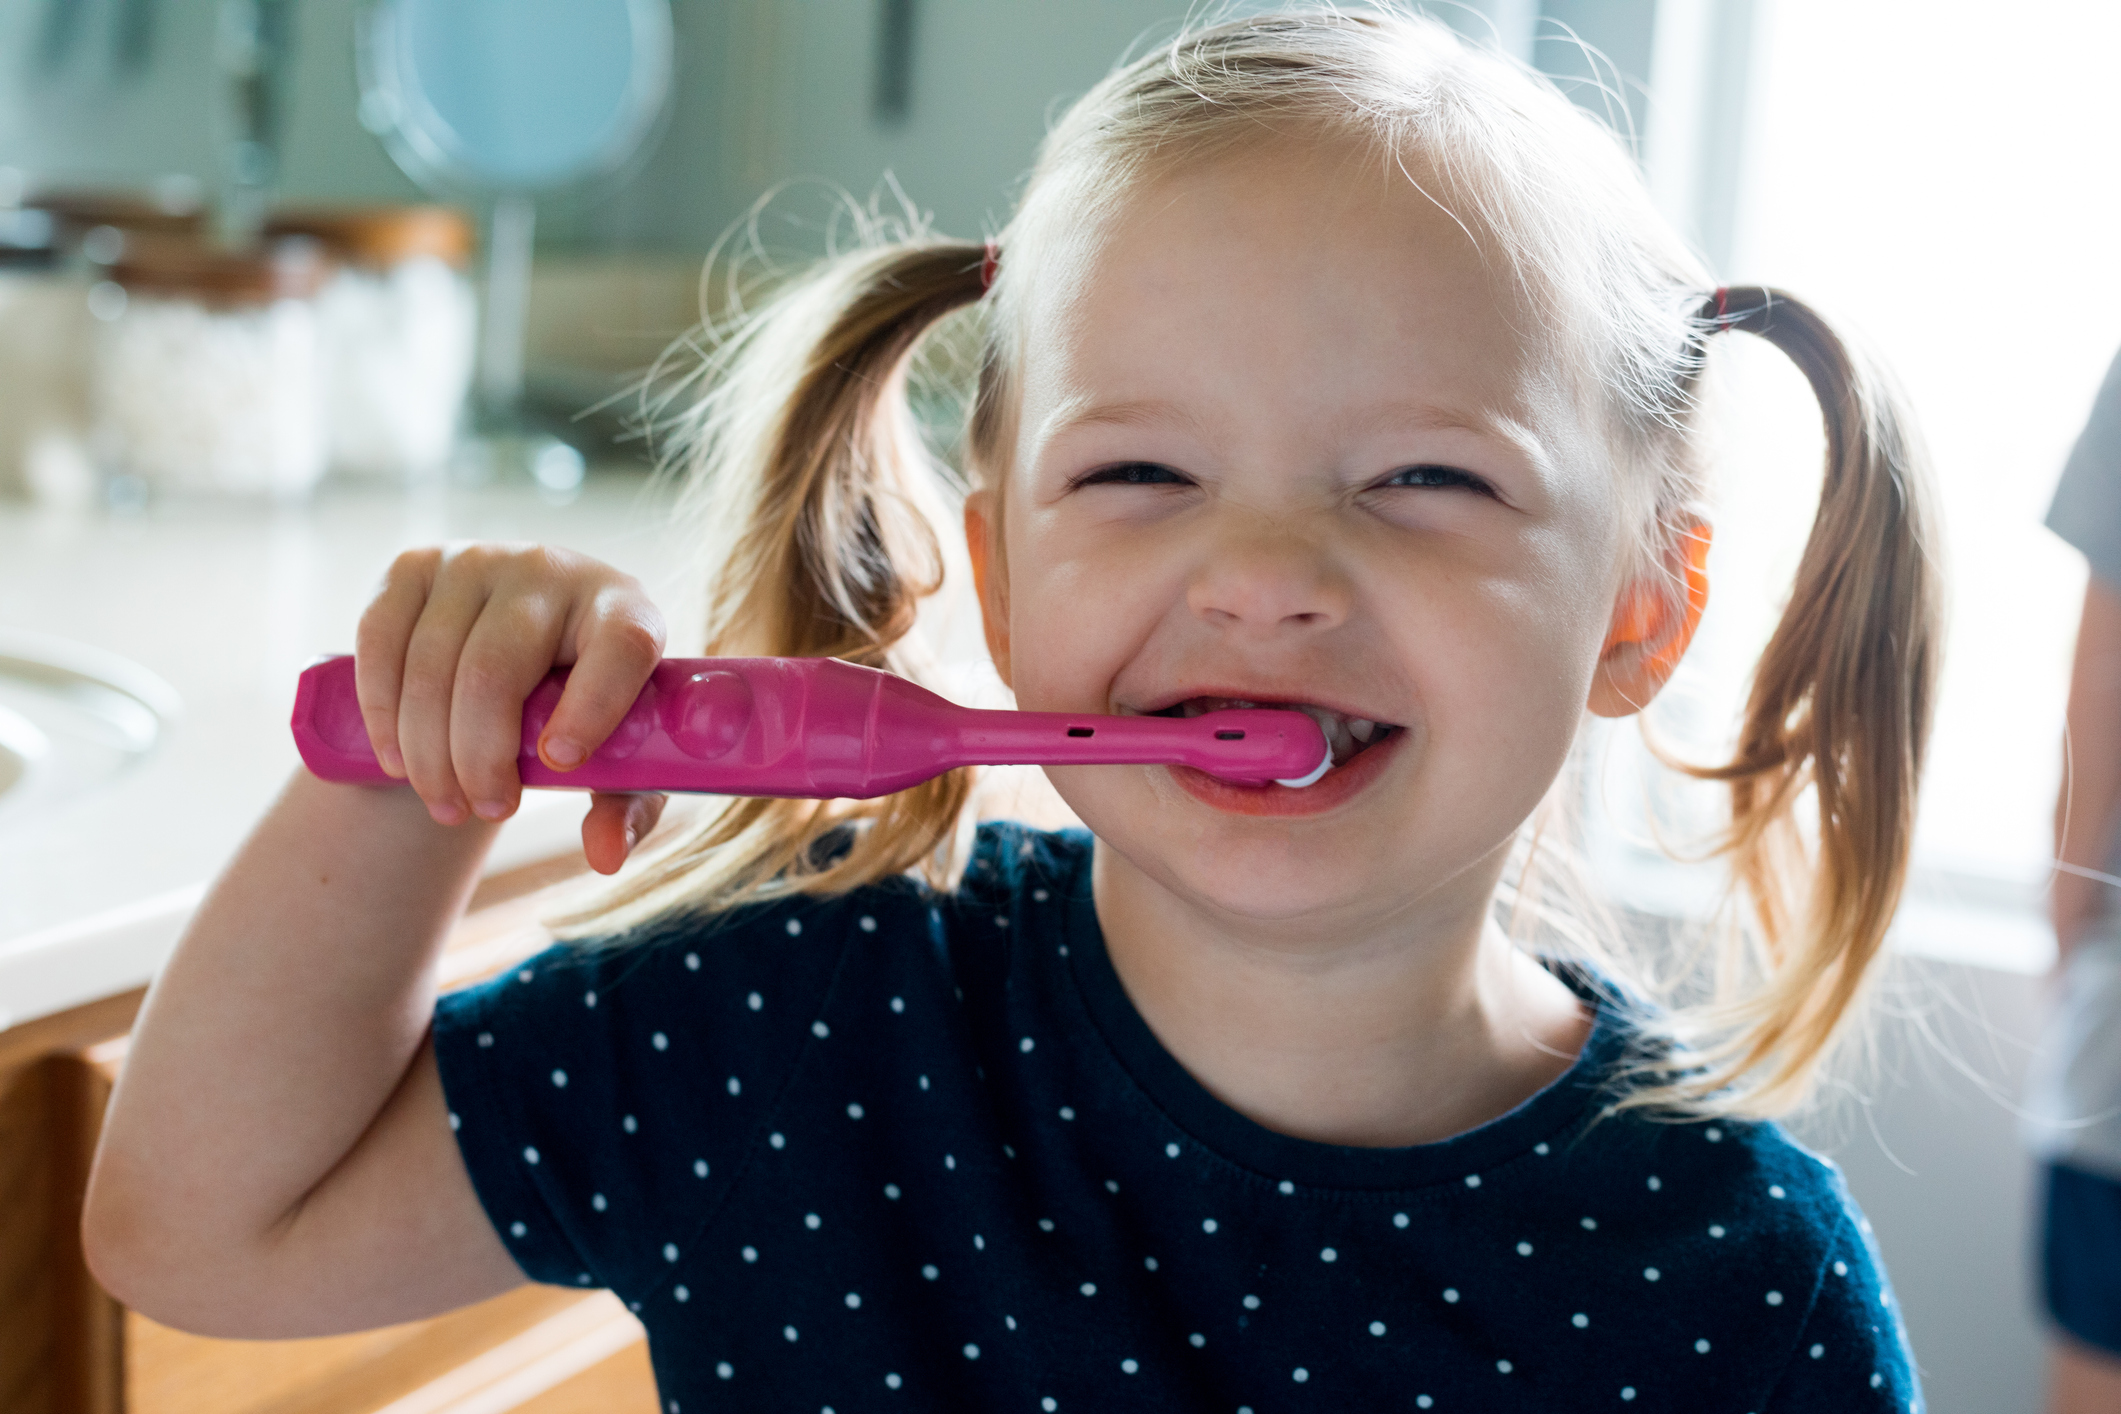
{"type": "Point", "coordinates": [26, 239]}
{"type": "Point", "coordinates": [171, 208]}
{"type": "Point", "coordinates": [380, 235]}
{"type": "Point", "coordinates": [287, 268]}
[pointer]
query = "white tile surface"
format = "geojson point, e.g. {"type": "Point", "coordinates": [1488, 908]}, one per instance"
{"type": "Point", "coordinates": [228, 602]}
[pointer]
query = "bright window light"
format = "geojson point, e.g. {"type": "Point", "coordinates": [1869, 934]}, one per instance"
{"type": "Point", "coordinates": [1945, 182]}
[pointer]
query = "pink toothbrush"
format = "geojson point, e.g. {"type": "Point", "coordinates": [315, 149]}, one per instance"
{"type": "Point", "coordinates": [822, 728]}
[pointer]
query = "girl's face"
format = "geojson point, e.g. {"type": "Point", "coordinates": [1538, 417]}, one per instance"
{"type": "Point", "coordinates": [1285, 438]}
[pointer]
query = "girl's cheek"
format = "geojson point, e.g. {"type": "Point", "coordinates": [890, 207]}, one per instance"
{"type": "Point", "coordinates": [1092, 648]}
{"type": "Point", "coordinates": [1488, 644]}
{"type": "Point", "coordinates": [1080, 607]}
{"type": "Point", "coordinates": [1057, 647]}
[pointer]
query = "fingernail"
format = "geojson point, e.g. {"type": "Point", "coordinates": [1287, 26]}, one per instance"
{"type": "Point", "coordinates": [563, 753]}
{"type": "Point", "coordinates": [392, 762]}
{"type": "Point", "coordinates": [447, 813]}
{"type": "Point", "coordinates": [491, 809]}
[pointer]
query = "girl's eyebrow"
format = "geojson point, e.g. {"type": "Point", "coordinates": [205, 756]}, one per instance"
{"type": "Point", "coordinates": [1435, 417]}
{"type": "Point", "coordinates": [1503, 428]}
{"type": "Point", "coordinates": [1082, 412]}
{"type": "Point", "coordinates": [1385, 417]}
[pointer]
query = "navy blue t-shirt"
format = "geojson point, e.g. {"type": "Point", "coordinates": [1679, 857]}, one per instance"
{"type": "Point", "coordinates": [903, 1151]}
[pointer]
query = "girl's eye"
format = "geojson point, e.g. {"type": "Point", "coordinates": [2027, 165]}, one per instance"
{"type": "Point", "coordinates": [1133, 474]}
{"type": "Point", "coordinates": [1437, 476]}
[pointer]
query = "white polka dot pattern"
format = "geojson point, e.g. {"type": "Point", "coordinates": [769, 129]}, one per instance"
{"type": "Point", "coordinates": [771, 1227]}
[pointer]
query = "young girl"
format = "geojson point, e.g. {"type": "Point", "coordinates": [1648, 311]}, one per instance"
{"type": "Point", "coordinates": [1328, 364]}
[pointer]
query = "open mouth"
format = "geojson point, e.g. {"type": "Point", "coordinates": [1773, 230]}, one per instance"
{"type": "Point", "coordinates": [1347, 736]}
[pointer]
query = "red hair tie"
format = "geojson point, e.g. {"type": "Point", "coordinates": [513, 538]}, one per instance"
{"type": "Point", "coordinates": [990, 265]}
{"type": "Point", "coordinates": [1723, 296]}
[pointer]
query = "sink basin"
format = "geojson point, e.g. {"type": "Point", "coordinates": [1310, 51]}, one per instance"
{"type": "Point", "coordinates": [21, 747]}
{"type": "Point", "coordinates": [71, 717]}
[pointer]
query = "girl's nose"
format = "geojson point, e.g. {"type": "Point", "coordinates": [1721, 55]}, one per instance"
{"type": "Point", "coordinates": [1266, 577]}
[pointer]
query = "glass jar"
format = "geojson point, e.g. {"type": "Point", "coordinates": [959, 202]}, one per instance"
{"type": "Point", "coordinates": [208, 372]}
{"type": "Point", "coordinates": [170, 206]}
{"type": "Point", "coordinates": [400, 329]}
{"type": "Point", "coordinates": [48, 243]}
{"type": "Point", "coordinates": [43, 348]}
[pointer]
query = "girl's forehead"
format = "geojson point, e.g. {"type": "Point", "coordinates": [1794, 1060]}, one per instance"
{"type": "Point", "coordinates": [1331, 278]}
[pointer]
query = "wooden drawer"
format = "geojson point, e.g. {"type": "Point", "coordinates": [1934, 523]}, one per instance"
{"type": "Point", "coordinates": [67, 1348]}
{"type": "Point", "coordinates": [517, 1352]}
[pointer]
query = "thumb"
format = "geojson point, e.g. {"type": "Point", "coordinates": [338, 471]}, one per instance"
{"type": "Point", "coordinates": [615, 824]}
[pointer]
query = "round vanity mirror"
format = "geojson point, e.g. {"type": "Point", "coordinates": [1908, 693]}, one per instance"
{"type": "Point", "coordinates": [510, 97]}
{"type": "Point", "coordinates": [498, 102]}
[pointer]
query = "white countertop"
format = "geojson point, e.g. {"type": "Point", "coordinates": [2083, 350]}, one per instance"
{"type": "Point", "coordinates": [229, 603]}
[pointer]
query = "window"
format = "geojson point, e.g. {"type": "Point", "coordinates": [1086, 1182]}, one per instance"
{"type": "Point", "coordinates": [1945, 182]}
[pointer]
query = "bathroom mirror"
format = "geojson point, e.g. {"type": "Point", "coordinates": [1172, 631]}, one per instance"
{"type": "Point", "coordinates": [513, 97]}
{"type": "Point", "coordinates": [499, 102]}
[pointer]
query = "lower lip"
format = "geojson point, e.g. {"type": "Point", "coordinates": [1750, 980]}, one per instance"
{"type": "Point", "coordinates": [1334, 788]}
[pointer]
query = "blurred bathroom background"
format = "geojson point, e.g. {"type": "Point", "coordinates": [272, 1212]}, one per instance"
{"type": "Point", "coordinates": [209, 216]}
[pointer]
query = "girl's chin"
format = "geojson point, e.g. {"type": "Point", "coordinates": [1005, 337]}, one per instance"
{"type": "Point", "coordinates": [1336, 788]}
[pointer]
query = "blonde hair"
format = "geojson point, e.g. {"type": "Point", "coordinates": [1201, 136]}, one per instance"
{"type": "Point", "coordinates": [808, 475]}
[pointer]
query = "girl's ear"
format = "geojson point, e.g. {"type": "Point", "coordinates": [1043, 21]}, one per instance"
{"type": "Point", "coordinates": [1652, 628]}
{"type": "Point", "coordinates": [989, 577]}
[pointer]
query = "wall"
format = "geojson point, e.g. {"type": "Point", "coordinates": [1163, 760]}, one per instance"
{"type": "Point", "coordinates": [772, 91]}
{"type": "Point", "coordinates": [88, 118]}
{"type": "Point", "coordinates": [1928, 1141]}
{"type": "Point", "coordinates": [767, 91]}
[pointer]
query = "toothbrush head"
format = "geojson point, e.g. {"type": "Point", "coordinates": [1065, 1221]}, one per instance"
{"type": "Point", "coordinates": [1316, 774]}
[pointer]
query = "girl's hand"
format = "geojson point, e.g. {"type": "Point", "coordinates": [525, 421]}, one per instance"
{"type": "Point", "coordinates": [454, 642]}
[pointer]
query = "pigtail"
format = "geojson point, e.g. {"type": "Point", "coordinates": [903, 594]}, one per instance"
{"type": "Point", "coordinates": [1839, 711]}
{"type": "Point", "coordinates": [815, 499]}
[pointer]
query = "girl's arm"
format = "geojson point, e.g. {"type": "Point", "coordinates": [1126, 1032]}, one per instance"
{"type": "Point", "coordinates": [2088, 807]}
{"type": "Point", "coordinates": [278, 1159]}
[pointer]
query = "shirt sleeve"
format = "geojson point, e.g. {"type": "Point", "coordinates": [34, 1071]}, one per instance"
{"type": "Point", "coordinates": [2086, 510]}
{"type": "Point", "coordinates": [1852, 1354]}
{"type": "Point", "coordinates": [604, 1096]}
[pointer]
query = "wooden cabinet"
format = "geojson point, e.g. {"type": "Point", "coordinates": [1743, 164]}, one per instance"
{"type": "Point", "coordinates": [61, 1346]}
{"type": "Point", "coordinates": [536, 1349]}
{"type": "Point", "coordinates": [67, 1348]}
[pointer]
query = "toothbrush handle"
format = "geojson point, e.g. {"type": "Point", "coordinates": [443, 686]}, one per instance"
{"type": "Point", "coordinates": [1236, 744]}
{"type": "Point", "coordinates": [819, 728]}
